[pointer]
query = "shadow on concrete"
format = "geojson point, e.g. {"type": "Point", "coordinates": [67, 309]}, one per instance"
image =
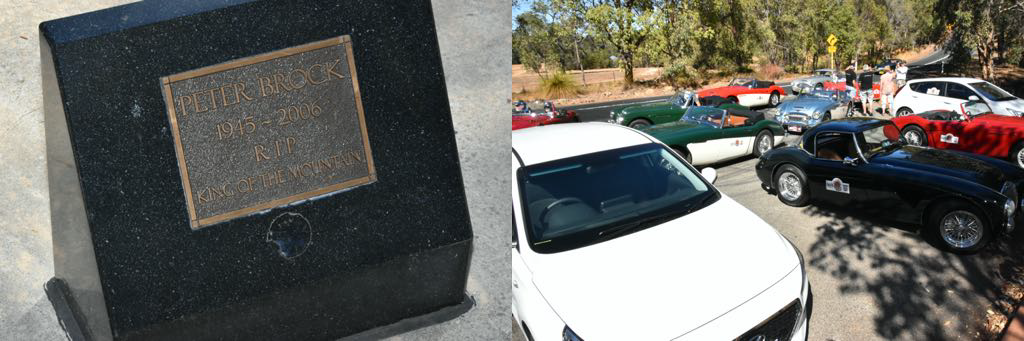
{"type": "Point", "coordinates": [922, 293]}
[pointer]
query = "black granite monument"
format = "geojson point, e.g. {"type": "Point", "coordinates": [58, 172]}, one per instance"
{"type": "Point", "coordinates": [226, 169]}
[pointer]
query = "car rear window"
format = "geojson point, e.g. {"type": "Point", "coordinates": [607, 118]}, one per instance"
{"type": "Point", "coordinates": [931, 88]}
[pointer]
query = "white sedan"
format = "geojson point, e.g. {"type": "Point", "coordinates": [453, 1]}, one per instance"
{"type": "Point", "coordinates": [617, 238]}
{"type": "Point", "coordinates": [948, 93]}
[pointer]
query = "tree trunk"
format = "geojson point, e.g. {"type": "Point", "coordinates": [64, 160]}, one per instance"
{"type": "Point", "coordinates": [986, 58]}
{"type": "Point", "coordinates": [627, 69]}
{"type": "Point", "coordinates": [583, 73]}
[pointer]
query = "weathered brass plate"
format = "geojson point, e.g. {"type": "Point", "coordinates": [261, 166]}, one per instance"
{"type": "Point", "coordinates": [268, 130]}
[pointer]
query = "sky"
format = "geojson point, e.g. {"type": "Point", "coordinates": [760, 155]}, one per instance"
{"type": "Point", "coordinates": [524, 5]}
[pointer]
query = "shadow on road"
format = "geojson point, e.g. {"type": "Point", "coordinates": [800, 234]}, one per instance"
{"type": "Point", "coordinates": [922, 293]}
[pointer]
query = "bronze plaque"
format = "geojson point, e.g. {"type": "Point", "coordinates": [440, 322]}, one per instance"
{"type": "Point", "coordinates": [268, 130]}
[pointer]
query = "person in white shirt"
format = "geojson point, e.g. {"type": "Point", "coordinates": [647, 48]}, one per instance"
{"type": "Point", "coordinates": [901, 75]}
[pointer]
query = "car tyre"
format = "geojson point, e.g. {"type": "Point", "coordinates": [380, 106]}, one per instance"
{"type": "Point", "coordinates": [828, 116]}
{"type": "Point", "coordinates": [819, 86]}
{"type": "Point", "coordinates": [734, 99]}
{"type": "Point", "coordinates": [959, 227]}
{"type": "Point", "coordinates": [791, 186]}
{"type": "Point", "coordinates": [904, 111]}
{"type": "Point", "coordinates": [915, 136]}
{"type": "Point", "coordinates": [640, 123]}
{"type": "Point", "coordinates": [1017, 154]}
{"type": "Point", "coordinates": [682, 152]}
{"type": "Point", "coordinates": [763, 142]}
{"type": "Point", "coordinates": [773, 100]}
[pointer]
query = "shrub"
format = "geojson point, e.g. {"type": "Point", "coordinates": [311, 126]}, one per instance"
{"type": "Point", "coordinates": [770, 71]}
{"type": "Point", "coordinates": [681, 76]}
{"type": "Point", "coordinates": [560, 85]}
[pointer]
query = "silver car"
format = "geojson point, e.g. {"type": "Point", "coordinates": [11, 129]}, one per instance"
{"type": "Point", "coordinates": [812, 108]}
{"type": "Point", "coordinates": [817, 80]}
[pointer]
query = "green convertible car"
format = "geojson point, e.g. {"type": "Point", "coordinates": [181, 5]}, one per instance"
{"type": "Point", "coordinates": [706, 135]}
{"type": "Point", "coordinates": [641, 116]}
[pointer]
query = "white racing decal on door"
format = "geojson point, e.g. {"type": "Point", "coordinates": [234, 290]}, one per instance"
{"type": "Point", "coordinates": [837, 185]}
{"type": "Point", "coordinates": [949, 138]}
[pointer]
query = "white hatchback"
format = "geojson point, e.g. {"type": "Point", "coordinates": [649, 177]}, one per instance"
{"type": "Point", "coordinates": [617, 238]}
{"type": "Point", "coordinates": [927, 94]}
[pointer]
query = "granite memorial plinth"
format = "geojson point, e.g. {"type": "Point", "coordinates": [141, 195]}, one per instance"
{"type": "Point", "coordinates": [251, 170]}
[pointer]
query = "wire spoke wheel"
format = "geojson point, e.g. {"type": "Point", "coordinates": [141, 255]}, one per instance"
{"type": "Point", "coordinates": [763, 144]}
{"type": "Point", "coordinates": [961, 229]}
{"type": "Point", "coordinates": [912, 137]}
{"type": "Point", "coordinates": [790, 186]}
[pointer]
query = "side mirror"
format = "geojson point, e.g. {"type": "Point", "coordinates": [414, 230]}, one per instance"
{"type": "Point", "coordinates": [849, 161]}
{"type": "Point", "coordinates": [709, 173]}
{"type": "Point", "coordinates": [973, 98]}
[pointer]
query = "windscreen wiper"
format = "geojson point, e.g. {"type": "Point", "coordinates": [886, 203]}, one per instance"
{"type": "Point", "coordinates": [642, 223]}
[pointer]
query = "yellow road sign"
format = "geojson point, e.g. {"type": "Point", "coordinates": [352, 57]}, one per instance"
{"type": "Point", "coordinates": [832, 40]}
{"type": "Point", "coordinates": [832, 49]}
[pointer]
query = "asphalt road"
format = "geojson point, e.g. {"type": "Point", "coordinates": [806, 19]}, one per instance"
{"type": "Point", "coordinates": [873, 279]}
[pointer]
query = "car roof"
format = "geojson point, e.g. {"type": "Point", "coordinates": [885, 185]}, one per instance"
{"type": "Point", "coordinates": [558, 141]}
{"type": "Point", "coordinates": [849, 125]}
{"type": "Point", "coordinates": [947, 79]}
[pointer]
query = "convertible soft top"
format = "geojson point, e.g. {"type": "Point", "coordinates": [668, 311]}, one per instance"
{"type": "Point", "coordinates": [714, 100]}
{"type": "Point", "coordinates": [751, 115]}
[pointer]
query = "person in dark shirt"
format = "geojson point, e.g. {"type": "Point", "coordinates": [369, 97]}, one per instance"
{"type": "Point", "coordinates": [866, 80]}
{"type": "Point", "coordinates": [851, 78]}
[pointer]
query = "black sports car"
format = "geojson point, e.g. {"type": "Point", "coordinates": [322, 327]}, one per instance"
{"type": "Point", "coordinates": [862, 163]}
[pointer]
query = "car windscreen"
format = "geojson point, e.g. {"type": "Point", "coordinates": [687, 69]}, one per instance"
{"type": "Point", "coordinates": [879, 139]}
{"type": "Point", "coordinates": [991, 92]}
{"type": "Point", "coordinates": [741, 82]}
{"type": "Point", "coordinates": [708, 116]}
{"type": "Point", "coordinates": [586, 199]}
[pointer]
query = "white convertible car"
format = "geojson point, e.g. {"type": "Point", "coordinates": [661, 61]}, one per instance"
{"type": "Point", "coordinates": [617, 238]}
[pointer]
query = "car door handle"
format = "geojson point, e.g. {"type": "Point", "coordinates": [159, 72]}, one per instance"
{"type": "Point", "coordinates": [515, 284]}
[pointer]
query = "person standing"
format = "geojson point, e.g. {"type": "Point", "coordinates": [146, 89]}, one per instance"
{"type": "Point", "coordinates": [888, 87]}
{"type": "Point", "coordinates": [901, 75]}
{"type": "Point", "coordinates": [866, 80]}
{"type": "Point", "coordinates": [851, 79]}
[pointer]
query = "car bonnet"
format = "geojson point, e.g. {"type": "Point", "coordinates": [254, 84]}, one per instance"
{"type": "Point", "coordinates": [955, 164]}
{"type": "Point", "coordinates": [667, 280]}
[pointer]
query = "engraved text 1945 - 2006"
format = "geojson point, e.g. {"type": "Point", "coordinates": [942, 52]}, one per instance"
{"type": "Point", "coordinates": [268, 130]}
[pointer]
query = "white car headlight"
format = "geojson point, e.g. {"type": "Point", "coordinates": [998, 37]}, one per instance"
{"type": "Point", "coordinates": [817, 115]}
{"type": "Point", "coordinates": [619, 119]}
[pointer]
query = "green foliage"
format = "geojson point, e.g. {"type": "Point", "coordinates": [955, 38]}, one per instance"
{"type": "Point", "coordinates": [681, 76]}
{"type": "Point", "coordinates": [989, 29]}
{"type": "Point", "coordinates": [693, 37]}
{"type": "Point", "coordinates": [560, 85]}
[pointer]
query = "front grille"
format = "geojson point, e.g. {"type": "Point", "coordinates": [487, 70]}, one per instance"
{"type": "Point", "coordinates": [796, 117]}
{"type": "Point", "coordinates": [778, 327]}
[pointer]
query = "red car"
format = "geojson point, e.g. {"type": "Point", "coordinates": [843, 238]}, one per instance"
{"type": "Point", "coordinates": [538, 113]}
{"type": "Point", "coordinates": [974, 129]}
{"type": "Point", "coordinates": [876, 89]}
{"type": "Point", "coordinates": [748, 92]}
